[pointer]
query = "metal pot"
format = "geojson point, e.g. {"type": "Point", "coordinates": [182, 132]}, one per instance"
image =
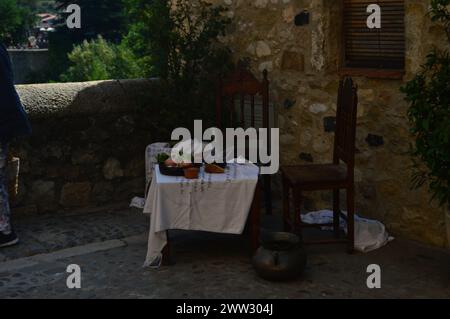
{"type": "Point", "coordinates": [281, 257]}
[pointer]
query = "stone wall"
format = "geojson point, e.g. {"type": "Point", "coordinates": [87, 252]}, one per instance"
{"type": "Point", "coordinates": [88, 142]}
{"type": "Point", "coordinates": [303, 63]}
{"type": "Point", "coordinates": [28, 63]}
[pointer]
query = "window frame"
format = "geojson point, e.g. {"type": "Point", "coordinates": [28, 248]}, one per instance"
{"type": "Point", "coordinates": [368, 72]}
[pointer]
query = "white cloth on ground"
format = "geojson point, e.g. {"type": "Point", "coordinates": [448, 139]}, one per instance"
{"type": "Point", "coordinates": [217, 203]}
{"type": "Point", "coordinates": [137, 202]}
{"type": "Point", "coordinates": [369, 234]}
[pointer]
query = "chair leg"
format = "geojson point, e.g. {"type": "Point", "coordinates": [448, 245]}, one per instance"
{"type": "Point", "coordinates": [286, 206]}
{"type": "Point", "coordinates": [268, 194]}
{"type": "Point", "coordinates": [336, 212]}
{"type": "Point", "coordinates": [255, 220]}
{"type": "Point", "coordinates": [351, 218]}
{"type": "Point", "coordinates": [166, 258]}
{"type": "Point", "coordinates": [298, 199]}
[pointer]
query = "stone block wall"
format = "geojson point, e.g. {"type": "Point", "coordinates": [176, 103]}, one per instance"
{"type": "Point", "coordinates": [89, 138]}
{"type": "Point", "coordinates": [303, 64]}
{"type": "Point", "coordinates": [88, 143]}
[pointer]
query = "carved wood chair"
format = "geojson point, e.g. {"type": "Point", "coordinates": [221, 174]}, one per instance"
{"type": "Point", "coordinates": [243, 101]}
{"type": "Point", "coordinates": [335, 176]}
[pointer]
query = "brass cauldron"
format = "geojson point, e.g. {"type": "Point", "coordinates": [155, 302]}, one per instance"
{"type": "Point", "coordinates": [281, 257]}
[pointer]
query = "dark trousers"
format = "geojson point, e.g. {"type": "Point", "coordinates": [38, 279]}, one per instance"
{"type": "Point", "coordinates": [5, 213]}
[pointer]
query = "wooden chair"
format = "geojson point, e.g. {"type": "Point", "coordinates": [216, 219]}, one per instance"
{"type": "Point", "coordinates": [335, 176]}
{"type": "Point", "coordinates": [253, 228]}
{"type": "Point", "coordinates": [234, 96]}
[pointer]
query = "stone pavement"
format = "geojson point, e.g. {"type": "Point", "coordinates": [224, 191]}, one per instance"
{"type": "Point", "coordinates": [43, 234]}
{"type": "Point", "coordinates": [110, 247]}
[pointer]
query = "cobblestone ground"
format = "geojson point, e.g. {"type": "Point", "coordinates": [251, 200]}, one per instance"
{"type": "Point", "coordinates": [110, 248]}
{"type": "Point", "coordinates": [44, 234]}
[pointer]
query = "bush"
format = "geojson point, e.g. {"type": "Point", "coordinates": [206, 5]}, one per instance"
{"type": "Point", "coordinates": [429, 112]}
{"type": "Point", "coordinates": [101, 60]}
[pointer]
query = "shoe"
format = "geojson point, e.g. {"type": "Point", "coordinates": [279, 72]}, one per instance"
{"type": "Point", "coordinates": [8, 240]}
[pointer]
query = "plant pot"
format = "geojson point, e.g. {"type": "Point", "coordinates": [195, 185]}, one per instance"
{"type": "Point", "coordinates": [447, 223]}
{"type": "Point", "coordinates": [191, 173]}
{"type": "Point", "coordinates": [13, 178]}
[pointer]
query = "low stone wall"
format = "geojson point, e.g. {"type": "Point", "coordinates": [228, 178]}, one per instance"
{"type": "Point", "coordinates": [88, 142]}
{"type": "Point", "coordinates": [28, 63]}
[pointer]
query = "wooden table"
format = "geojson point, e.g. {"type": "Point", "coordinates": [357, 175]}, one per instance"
{"type": "Point", "coordinates": [253, 228]}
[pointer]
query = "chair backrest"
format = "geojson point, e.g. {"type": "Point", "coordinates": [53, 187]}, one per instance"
{"type": "Point", "coordinates": [237, 92]}
{"type": "Point", "coordinates": [345, 137]}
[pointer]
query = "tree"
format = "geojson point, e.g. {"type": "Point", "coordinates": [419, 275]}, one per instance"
{"type": "Point", "coordinates": [177, 41]}
{"type": "Point", "coordinates": [100, 60]}
{"type": "Point", "coordinates": [16, 19]}
{"type": "Point", "coordinates": [99, 17]}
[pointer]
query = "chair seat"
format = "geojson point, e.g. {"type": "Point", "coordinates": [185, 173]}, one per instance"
{"type": "Point", "coordinates": [316, 174]}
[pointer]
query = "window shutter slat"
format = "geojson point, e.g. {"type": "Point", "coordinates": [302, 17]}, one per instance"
{"type": "Point", "coordinates": [374, 48]}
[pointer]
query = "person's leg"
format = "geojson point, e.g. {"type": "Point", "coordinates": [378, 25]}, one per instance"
{"type": "Point", "coordinates": [5, 226]}
{"type": "Point", "coordinates": [7, 236]}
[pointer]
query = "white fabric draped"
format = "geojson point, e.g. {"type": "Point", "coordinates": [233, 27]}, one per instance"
{"type": "Point", "coordinates": [217, 203]}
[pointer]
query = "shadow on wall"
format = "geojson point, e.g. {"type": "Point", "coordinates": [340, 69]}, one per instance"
{"type": "Point", "coordinates": [88, 142]}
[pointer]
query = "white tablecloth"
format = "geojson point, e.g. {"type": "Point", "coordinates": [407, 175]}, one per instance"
{"type": "Point", "coordinates": [217, 203]}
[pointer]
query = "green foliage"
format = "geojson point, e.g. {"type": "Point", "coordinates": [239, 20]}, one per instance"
{"type": "Point", "coordinates": [187, 32]}
{"type": "Point", "coordinates": [429, 112]}
{"type": "Point", "coordinates": [178, 42]}
{"type": "Point", "coordinates": [16, 18]}
{"type": "Point", "coordinates": [100, 60]}
{"type": "Point", "coordinates": [440, 13]}
{"type": "Point", "coordinates": [100, 17]}
{"type": "Point", "coordinates": [162, 157]}
{"type": "Point", "coordinates": [145, 17]}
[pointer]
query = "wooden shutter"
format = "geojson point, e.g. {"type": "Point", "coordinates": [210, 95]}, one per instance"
{"type": "Point", "coordinates": [374, 48]}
